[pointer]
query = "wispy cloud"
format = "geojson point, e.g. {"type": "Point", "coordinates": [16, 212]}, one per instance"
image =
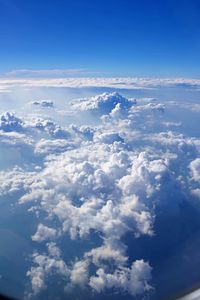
{"type": "Point", "coordinates": [28, 73]}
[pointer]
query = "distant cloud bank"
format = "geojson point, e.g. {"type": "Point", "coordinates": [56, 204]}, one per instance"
{"type": "Point", "coordinates": [77, 82]}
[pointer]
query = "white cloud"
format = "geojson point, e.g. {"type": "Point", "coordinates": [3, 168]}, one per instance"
{"type": "Point", "coordinates": [7, 83]}
{"type": "Point", "coordinates": [15, 181]}
{"type": "Point", "coordinates": [79, 273]}
{"type": "Point", "coordinates": [44, 233]}
{"type": "Point", "coordinates": [9, 122]}
{"type": "Point", "coordinates": [45, 265]}
{"type": "Point", "coordinates": [104, 180]}
{"type": "Point", "coordinates": [46, 147]}
{"type": "Point", "coordinates": [103, 103]}
{"type": "Point", "coordinates": [53, 250]}
{"type": "Point", "coordinates": [107, 137]}
{"type": "Point", "coordinates": [115, 253]}
{"type": "Point", "coordinates": [133, 280]}
{"type": "Point", "coordinates": [15, 139]}
{"type": "Point", "coordinates": [43, 73]}
{"type": "Point", "coordinates": [195, 170]}
{"type": "Point", "coordinates": [47, 126]}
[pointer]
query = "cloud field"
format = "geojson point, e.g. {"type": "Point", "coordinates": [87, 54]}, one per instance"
{"type": "Point", "coordinates": [96, 190]}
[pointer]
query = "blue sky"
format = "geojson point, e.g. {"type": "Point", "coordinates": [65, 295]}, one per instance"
{"type": "Point", "coordinates": [101, 38]}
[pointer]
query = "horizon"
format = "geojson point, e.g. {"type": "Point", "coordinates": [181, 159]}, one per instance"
{"type": "Point", "coordinates": [99, 149]}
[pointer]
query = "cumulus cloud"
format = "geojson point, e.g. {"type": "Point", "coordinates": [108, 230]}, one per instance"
{"type": "Point", "coordinates": [43, 233]}
{"type": "Point", "coordinates": [43, 103]}
{"type": "Point", "coordinates": [15, 180]}
{"type": "Point", "coordinates": [44, 265]}
{"type": "Point", "coordinates": [9, 122]}
{"type": "Point", "coordinates": [104, 181]}
{"type": "Point", "coordinates": [79, 273]}
{"type": "Point", "coordinates": [195, 169]}
{"type": "Point", "coordinates": [107, 137]}
{"type": "Point", "coordinates": [103, 103]}
{"type": "Point", "coordinates": [47, 126]}
{"type": "Point", "coordinates": [112, 251]}
{"type": "Point", "coordinates": [133, 280]}
{"type": "Point", "coordinates": [85, 132]}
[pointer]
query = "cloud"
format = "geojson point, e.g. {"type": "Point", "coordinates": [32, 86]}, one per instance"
{"type": "Point", "coordinates": [9, 122]}
{"type": "Point", "coordinates": [108, 137]}
{"type": "Point", "coordinates": [45, 265]}
{"type": "Point", "coordinates": [101, 184]}
{"type": "Point", "coordinates": [44, 73]}
{"type": "Point", "coordinates": [108, 253]}
{"type": "Point", "coordinates": [133, 280]}
{"type": "Point", "coordinates": [15, 180]}
{"type": "Point", "coordinates": [43, 103]}
{"type": "Point", "coordinates": [7, 83]}
{"type": "Point", "coordinates": [47, 126]}
{"type": "Point", "coordinates": [43, 233]}
{"type": "Point", "coordinates": [195, 169]}
{"type": "Point", "coordinates": [15, 139]}
{"type": "Point", "coordinates": [79, 274]}
{"type": "Point", "coordinates": [103, 103]}
{"type": "Point", "coordinates": [85, 132]}
{"type": "Point", "coordinates": [46, 147]}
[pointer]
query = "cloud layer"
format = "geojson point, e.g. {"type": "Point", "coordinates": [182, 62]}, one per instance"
{"type": "Point", "coordinates": [77, 82]}
{"type": "Point", "coordinates": [99, 183]}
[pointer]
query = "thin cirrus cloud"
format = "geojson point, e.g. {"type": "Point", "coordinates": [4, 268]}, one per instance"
{"type": "Point", "coordinates": [46, 72]}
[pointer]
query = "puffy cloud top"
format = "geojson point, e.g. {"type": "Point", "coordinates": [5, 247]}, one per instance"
{"type": "Point", "coordinates": [103, 103]}
{"type": "Point", "coordinates": [105, 181]}
{"type": "Point", "coordinates": [9, 122]}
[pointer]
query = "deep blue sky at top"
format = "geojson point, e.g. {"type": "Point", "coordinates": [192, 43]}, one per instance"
{"type": "Point", "coordinates": [121, 37]}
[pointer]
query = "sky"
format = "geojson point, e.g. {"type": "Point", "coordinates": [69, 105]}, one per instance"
{"type": "Point", "coordinates": [99, 176]}
{"type": "Point", "coordinates": [100, 38]}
